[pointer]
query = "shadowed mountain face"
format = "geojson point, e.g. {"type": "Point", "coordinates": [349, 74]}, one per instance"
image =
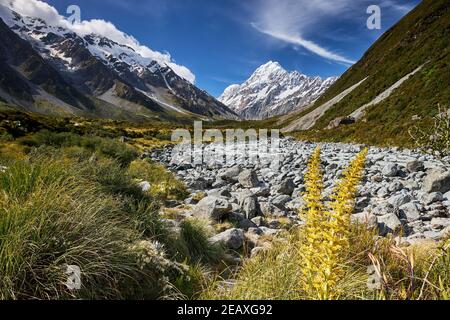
{"type": "Point", "coordinates": [399, 82]}
{"type": "Point", "coordinates": [51, 69]}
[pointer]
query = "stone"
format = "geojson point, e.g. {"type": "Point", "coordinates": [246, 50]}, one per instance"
{"type": "Point", "coordinates": [250, 207]}
{"type": "Point", "coordinates": [198, 184]}
{"type": "Point", "coordinates": [395, 186]}
{"type": "Point", "coordinates": [248, 179]}
{"type": "Point", "coordinates": [390, 170]}
{"type": "Point", "coordinates": [399, 200]}
{"type": "Point", "coordinates": [225, 193]}
{"type": "Point", "coordinates": [269, 232]}
{"type": "Point", "coordinates": [433, 198]}
{"type": "Point", "coordinates": [447, 196]}
{"type": "Point", "coordinates": [340, 121]}
{"type": "Point", "coordinates": [274, 224]}
{"type": "Point", "coordinates": [389, 223]}
{"type": "Point", "coordinates": [435, 235]}
{"type": "Point", "coordinates": [410, 211]}
{"type": "Point", "coordinates": [295, 204]}
{"type": "Point", "coordinates": [437, 181]}
{"type": "Point", "coordinates": [145, 186]}
{"type": "Point", "coordinates": [246, 224]}
{"type": "Point", "coordinates": [286, 187]}
{"type": "Point", "coordinates": [415, 166]}
{"type": "Point", "coordinates": [365, 218]}
{"type": "Point", "coordinates": [219, 183]}
{"type": "Point", "coordinates": [231, 174]}
{"type": "Point", "coordinates": [259, 221]}
{"type": "Point", "coordinates": [213, 207]}
{"type": "Point", "coordinates": [231, 238]}
{"type": "Point", "coordinates": [440, 223]}
{"type": "Point", "coordinates": [280, 201]}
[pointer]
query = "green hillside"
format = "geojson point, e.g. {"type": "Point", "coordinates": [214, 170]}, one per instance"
{"type": "Point", "coordinates": [421, 38]}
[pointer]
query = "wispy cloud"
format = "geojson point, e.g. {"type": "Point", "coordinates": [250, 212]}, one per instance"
{"type": "Point", "coordinates": [296, 21]}
{"type": "Point", "coordinates": [296, 39]}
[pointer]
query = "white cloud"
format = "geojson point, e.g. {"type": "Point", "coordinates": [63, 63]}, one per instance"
{"type": "Point", "coordinates": [308, 45]}
{"type": "Point", "coordinates": [37, 8]}
{"type": "Point", "coordinates": [290, 20]}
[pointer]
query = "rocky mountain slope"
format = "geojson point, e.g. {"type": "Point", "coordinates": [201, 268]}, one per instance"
{"type": "Point", "coordinates": [272, 91]}
{"type": "Point", "coordinates": [104, 75]}
{"type": "Point", "coordinates": [398, 83]}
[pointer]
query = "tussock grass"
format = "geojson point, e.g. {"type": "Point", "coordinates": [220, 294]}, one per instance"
{"type": "Point", "coordinates": [68, 202]}
{"type": "Point", "coordinates": [104, 146]}
{"type": "Point", "coordinates": [163, 184]}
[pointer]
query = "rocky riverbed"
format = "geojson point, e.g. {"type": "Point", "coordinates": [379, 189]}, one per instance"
{"type": "Point", "coordinates": [404, 192]}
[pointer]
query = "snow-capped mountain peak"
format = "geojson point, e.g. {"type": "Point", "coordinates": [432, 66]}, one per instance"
{"type": "Point", "coordinates": [116, 73]}
{"type": "Point", "coordinates": [271, 90]}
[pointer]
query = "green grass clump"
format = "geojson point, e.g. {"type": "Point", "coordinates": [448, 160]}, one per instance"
{"type": "Point", "coordinates": [50, 218]}
{"type": "Point", "coordinates": [104, 146]}
{"type": "Point", "coordinates": [163, 183]}
{"type": "Point", "coordinates": [60, 205]}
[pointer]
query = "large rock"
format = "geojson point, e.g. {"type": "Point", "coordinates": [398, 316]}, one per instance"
{"type": "Point", "coordinates": [232, 238]}
{"type": "Point", "coordinates": [437, 181]}
{"type": "Point", "coordinates": [433, 198]}
{"type": "Point", "coordinates": [250, 207]}
{"type": "Point", "coordinates": [410, 211]}
{"type": "Point", "coordinates": [389, 223]}
{"type": "Point", "coordinates": [415, 166]}
{"type": "Point", "coordinates": [366, 218]}
{"type": "Point", "coordinates": [399, 200]}
{"type": "Point", "coordinates": [212, 207]}
{"type": "Point", "coordinates": [248, 179]}
{"type": "Point", "coordinates": [286, 187]}
{"type": "Point", "coordinates": [280, 201]}
{"type": "Point", "coordinates": [390, 170]}
{"type": "Point", "coordinates": [340, 121]}
{"type": "Point", "coordinates": [230, 174]}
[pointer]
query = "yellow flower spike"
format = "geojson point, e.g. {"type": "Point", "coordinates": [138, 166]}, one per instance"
{"type": "Point", "coordinates": [327, 231]}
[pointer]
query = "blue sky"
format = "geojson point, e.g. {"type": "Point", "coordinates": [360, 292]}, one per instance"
{"type": "Point", "coordinates": [223, 41]}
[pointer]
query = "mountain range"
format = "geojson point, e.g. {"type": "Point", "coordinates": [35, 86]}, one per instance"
{"type": "Point", "coordinates": [51, 69]}
{"type": "Point", "coordinates": [273, 91]}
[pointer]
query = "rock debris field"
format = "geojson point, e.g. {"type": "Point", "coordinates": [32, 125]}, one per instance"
{"type": "Point", "coordinates": [404, 192]}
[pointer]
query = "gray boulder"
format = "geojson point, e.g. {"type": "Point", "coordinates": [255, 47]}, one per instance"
{"type": "Point", "coordinates": [410, 211]}
{"type": "Point", "coordinates": [246, 224]}
{"type": "Point", "coordinates": [232, 238]}
{"type": "Point", "coordinates": [212, 207]}
{"type": "Point", "coordinates": [286, 187]}
{"type": "Point", "coordinates": [390, 170]}
{"type": "Point", "coordinates": [248, 179]}
{"type": "Point", "coordinates": [259, 221]}
{"type": "Point", "coordinates": [250, 207]}
{"type": "Point", "coordinates": [389, 223]}
{"type": "Point", "coordinates": [437, 181]}
{"type": "Point", "coordinates": [433, 198]}
{"type": "Point", "coordinates": [230, 174]}
{"type": "Point", "coordinates": [365, 218]}
{"type": "Point", "coordinates": [415, 166]}
{"type": "Point", "coordinates": [399, 200]}
{"type": "Point", "coordinates": [440, 223]}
